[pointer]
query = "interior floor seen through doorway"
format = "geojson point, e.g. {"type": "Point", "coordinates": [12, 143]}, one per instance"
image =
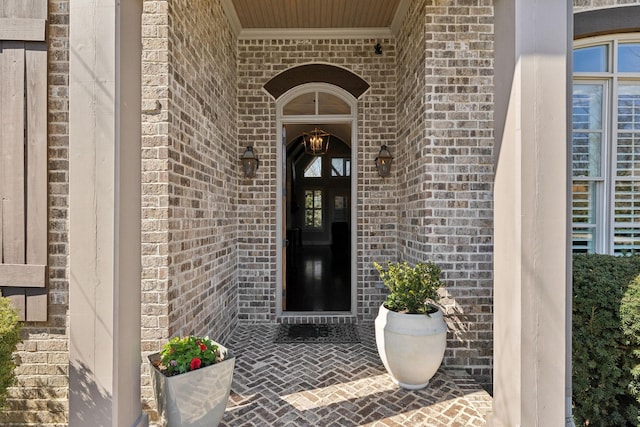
{"type": "Point", "coordinates": [319, 279]}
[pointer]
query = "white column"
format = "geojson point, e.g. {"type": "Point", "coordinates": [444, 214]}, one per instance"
{"type": "Point", "coordinates": [531, 199]}
{"type": "Point", "coordinates": [104, 213]}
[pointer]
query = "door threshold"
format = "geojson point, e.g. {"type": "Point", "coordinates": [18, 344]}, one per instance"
{"type": "Point", "coordinates": [298, 317]}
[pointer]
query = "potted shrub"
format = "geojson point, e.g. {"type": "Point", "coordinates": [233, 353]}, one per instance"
{"type": "Point", "coordinates": [411, 333]}
{"type": "Point", "coordinates": [191, 380]}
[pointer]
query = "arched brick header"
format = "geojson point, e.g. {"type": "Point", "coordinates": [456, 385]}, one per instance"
{"type": "Point", "coordinates": [623, 19]}
{"type": "Point", "coordinates": [316, 73]}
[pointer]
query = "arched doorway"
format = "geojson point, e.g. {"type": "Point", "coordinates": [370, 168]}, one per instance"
{"type": "Point", "coordinates": [316, 213]}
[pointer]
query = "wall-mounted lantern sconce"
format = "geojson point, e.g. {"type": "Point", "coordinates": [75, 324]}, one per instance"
{"type": "Point", "coordinates": [249, 163]}
{"type": "Point", "coordinates": [383, 161]}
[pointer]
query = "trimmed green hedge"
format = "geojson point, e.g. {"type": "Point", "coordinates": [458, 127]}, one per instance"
{"type": "Point", "coordinates": [606, 340]}
{"type": "Point", "coordinates": [9, 337]}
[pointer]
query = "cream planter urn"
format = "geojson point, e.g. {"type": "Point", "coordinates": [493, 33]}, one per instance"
{"type": "Point", "coordinates": [411, 346]}
{"type": "Point", "coordinates": [194, 399]}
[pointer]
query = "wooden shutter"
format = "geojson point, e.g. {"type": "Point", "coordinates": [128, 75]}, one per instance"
{"type": "Point", "coordinates": [23, 162]}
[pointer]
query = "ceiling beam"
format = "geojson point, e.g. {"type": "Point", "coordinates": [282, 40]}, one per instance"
{"type": "Point", "coordinates": [398, 18]}
{"type": "Point", "coordinates": [314, 33]}
{"type": "Point", "coordinates": [232, 16]}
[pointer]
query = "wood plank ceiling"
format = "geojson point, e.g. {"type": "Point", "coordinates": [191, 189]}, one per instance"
{"type": "Point", "coordinates": [266, 16]}
{"type": "Point", "coordinates": [315, 13]}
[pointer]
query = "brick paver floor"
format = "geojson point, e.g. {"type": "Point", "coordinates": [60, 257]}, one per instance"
{"type": "Point", "coordinates": [339, 385]}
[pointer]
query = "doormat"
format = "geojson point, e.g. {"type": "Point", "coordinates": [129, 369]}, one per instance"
{"type": "Point", "coordinates": [312, 333]}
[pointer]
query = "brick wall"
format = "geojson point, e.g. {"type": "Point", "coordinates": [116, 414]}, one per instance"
{"type": "Point", "coordinates": [259, 61]}
{"type": "Point", "coordinates": [203, 170]}
{"type": "Point", "coordinates": [189, 170]}
{"type": "Point", "coordinates": [155, 186]}
{"type": "Point", "coordinates": [412, 130]}
{"type": "Point", "coordinates": [445, 121]}
{"type": "Point", "coordinates": [190, 173]}
{"type": "Point", "coordinates": [155, 173]}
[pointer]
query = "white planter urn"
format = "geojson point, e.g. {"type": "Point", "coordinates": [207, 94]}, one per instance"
{"type": "Point", "coordinates": [193, 399]}
{"type": "Point", "coordinates": [411, 346]}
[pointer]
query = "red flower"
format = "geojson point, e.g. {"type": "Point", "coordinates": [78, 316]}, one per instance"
{"type": "Point", "coordinates": [195, 363]}
{"type": "Point", "coordinates": [203, 347]}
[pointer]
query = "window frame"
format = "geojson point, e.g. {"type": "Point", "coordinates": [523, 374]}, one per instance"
{"type": "Point", "coordinates": [346, 161]}
{"type": "Point", "coordinates": [611, 80]}
{"type": "Point", "coordinates": [600, 182]}
{"type": "Point", "coordinates": [310, 164]}
{"type": "Point", "coordinates": [322, 209]}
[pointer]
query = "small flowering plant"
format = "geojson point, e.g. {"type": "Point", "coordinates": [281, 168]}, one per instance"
{"type": "Point", "coordinates": [412, 289]}
{"type": "Point", "coordinates": [186, 354]}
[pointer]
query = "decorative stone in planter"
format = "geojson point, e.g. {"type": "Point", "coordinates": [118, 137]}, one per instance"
{"type": "Point", "coordinates": [196, 398]}
{"type": "Point", "coordinates": [411, 346]}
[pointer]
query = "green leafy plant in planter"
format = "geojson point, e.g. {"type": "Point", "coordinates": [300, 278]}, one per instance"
{"type": "Point", "coordinates": [192, 372]}
{"type": "Point", "coordinates": [186, 354]}
{"type": "Point", "coordinates": [410, 330]}
{"type": "Point", "coordinates": [412, 289]}
{"type": "Point", "coordinates": [9, 338]}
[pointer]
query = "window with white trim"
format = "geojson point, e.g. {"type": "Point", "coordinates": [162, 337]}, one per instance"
{"type": "Point", "coordinates": [606, 145]}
